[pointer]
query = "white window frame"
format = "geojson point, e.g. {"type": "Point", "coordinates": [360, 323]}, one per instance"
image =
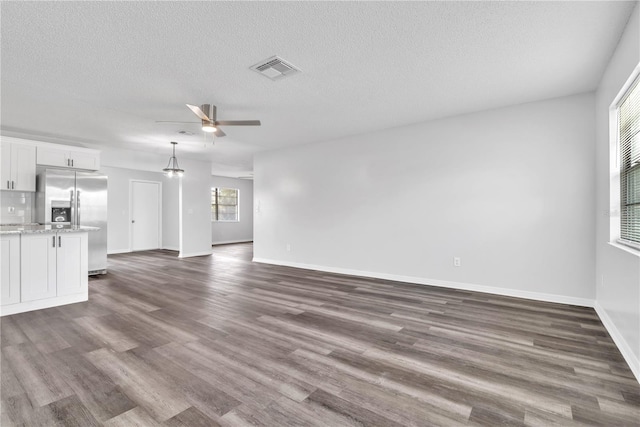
{"type": "Point", "coordinates": [615, 223]}
{"type": "Point", "coordinates": [237, 190]}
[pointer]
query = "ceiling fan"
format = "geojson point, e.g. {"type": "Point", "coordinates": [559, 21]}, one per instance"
{"type": "Point", "coordinates": [210, 123]}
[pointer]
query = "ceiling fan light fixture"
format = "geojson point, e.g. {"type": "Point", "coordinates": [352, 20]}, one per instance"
{"type": "Point", "coordinates": [172, 167]}
{"type": "Point", "coordinates": [208, 126]}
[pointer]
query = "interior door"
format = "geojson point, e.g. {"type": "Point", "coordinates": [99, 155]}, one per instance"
{"type": "Point", "coordinates": [145, 215]}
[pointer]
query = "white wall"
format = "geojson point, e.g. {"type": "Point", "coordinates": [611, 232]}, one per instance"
{"type": "Point", "coordinates": [171, 214]}
{"type": "Point", "coordinates": [232, 232]}
{"type": "Point", "coordinates": [118, 207]}
{"type": "Point", "coordinates": [186, 220]}
{"type": "Point", "coordinates": [617, 270]}
{"type": "Point", "coordinates": [132, 164]}
{"type": "Point", "coordinates": [23, 204]}
{"type": "Point", "coordinates": [195, 208]}
{"type": "Point", "coordinates": [510, 191]}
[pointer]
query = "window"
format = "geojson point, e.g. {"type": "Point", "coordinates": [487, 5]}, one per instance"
{"type": "Point", "coordinates": [629, 146]}
{"type": "Point", "coordinates": [224, 204]}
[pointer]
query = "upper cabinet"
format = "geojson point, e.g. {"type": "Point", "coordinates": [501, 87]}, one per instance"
{"type": "Point", "coordinates": [68, 157]}
{"type": "Point", "coordinates": [18, 172]}
{"type": "Point", "coordinates": [19, 158]}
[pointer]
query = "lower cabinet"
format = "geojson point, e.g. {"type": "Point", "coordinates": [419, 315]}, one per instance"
{"type": "Point", "coordinates": [43, 270]}
{"type": "Point", "coordinates": [10, 269]}
{"type": "Point", "coordinates": [72, 264]}
{"type": "Point", "coordinates": [38, 266]}
{"type": "Point", "coordinates": [53, 265]}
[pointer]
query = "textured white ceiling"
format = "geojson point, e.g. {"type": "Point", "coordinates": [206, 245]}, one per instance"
{"type": "Point", "coordinates": [104, 72]}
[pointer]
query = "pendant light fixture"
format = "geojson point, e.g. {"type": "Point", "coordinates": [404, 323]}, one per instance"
{"type": "Point", "coordinates": [172, 167]}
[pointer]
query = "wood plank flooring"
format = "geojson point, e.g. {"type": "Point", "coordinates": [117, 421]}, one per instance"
{"type": "Point", "coordinates": [220, 340]}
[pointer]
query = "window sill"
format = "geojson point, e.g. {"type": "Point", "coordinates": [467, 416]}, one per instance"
{"type": "Point", "coordinates": [629, 249]}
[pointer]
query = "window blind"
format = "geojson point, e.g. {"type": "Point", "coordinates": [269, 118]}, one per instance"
{"type": "Point", "coordinates": [629, 137]}
{"type": "Point", "coordinates": [224, 204]}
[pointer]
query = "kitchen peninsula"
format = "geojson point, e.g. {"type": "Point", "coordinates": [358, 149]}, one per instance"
{"type": "Point", "coordinates": [43, 266]}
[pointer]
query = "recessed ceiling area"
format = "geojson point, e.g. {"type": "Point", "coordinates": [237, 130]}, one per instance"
{"type": "Point", "coordinates": [103, 73]}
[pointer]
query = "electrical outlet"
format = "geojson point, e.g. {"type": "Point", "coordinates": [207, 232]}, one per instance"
{"type": "Point", "coordinates": [11, 209]}
{"type": "Point", "coordinates": [456, 261]}
{"type": "Point", "coordinates": [288, 247]}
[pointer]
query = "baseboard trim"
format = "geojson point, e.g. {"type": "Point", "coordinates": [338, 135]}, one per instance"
{"type": "Point", "coordinates": [118, 251]}
{"type": "Point", "coordinates": [40, 304]}
{"type": "Point", "coordinates": [126, 251]}
{"type": "Point", "coordinates": [537, 296]}
{"type": "Point", "coordinates": [203, 253]}
{"type": "Point", "coordinates": [618, 339]}
{"type": "Point", "coordinates": [227, 242]}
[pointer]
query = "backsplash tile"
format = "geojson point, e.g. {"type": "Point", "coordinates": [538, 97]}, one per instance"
{"type": "Point", "coordinates": [22, 204]}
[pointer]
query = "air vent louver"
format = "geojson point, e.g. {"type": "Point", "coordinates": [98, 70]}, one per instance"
{"type": "Point", "coordinates": [275, 68]}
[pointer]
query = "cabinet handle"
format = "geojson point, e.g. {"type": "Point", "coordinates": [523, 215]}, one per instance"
{"type": "Point", "coordinates": [59, 241]}
{"type": "Point", "coordinates": [8, 185]}
{"type": "Point", "coordinates": [54, 242]}
{"type": "Point", "coordinates": [71, 162]}
{"type": "Point", "coordinates": [12, 184]}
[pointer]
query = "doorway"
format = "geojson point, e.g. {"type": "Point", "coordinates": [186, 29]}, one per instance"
{"type": "Point", "coordinates": [146, 220]}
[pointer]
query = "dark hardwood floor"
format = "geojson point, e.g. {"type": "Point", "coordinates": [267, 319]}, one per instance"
{"type": "Point", "coordinates": [220, 340]}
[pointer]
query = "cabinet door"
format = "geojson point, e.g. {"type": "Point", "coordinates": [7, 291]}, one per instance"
{"type": "Point", "coordinates": [38, 266]}
{"type": "Point", "coordinates": [81, 160]}
{"type": "Point", "coordinates": [5, 167]}
{"type": "Point", "coordinates": [23, 167]}
{"type": "Point", "coordinates": [53, 157]}
{"type": "Point", "coordinates": [72, 264]}
{"type": "Point", "coordinates": [10, 269]}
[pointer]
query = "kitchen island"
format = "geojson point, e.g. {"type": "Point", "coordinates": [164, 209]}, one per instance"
{"type": "Point", "coordinates": [42, 266]}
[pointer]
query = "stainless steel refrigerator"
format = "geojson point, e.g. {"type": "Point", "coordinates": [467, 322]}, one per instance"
{"type": "Point", "coordinates": [69, 197]}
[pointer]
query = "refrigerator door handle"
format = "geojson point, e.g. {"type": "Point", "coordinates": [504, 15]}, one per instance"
{"type": "Point", "coordinates": [73, 208]}
{"type": "Point", "coordinates": [78, 208]}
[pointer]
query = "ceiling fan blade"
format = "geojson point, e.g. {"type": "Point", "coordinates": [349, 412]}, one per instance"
{"type": "Point", "coordinates": [238, 122]}
{"type": "Point", "coordinates": [198, 112]}
{"type": "Point", "coordinates": [171, 121]}
{"type": "Point", "coordinates": [219, 133]}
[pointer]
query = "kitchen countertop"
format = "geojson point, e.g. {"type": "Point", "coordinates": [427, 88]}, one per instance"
{"type": "Point", "coordinates": [46, 228]}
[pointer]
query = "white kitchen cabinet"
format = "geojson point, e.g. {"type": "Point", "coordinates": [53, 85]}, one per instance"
{"type": "Point", "coordinates": [10, 269]}
{"type": "Point", "coordinates": [38, 266]}
{"type": "Point", "coordinates": [72, 263]}
{"type": "Point", "coordinates": [43, 269]}
{"type": "Point", "coordinates": [68, 157]}
{"type": "Point", "coordinates": [51, 156]}
{"type": "Point", "coordinates": [82, 160]}
{"type": "Point", "coordinates": [5, 171]}
{"type": "Point", "coordinates": [18, 171]}
{"type": "Point", "coordinates": [53, 265]}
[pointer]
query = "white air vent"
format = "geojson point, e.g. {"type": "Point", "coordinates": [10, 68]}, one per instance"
{"type": "Point", "coordinates": [275, 68]}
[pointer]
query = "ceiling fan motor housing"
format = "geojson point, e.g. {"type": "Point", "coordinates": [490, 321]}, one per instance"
{"type": "Point", "coordinates": [210, 111]}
